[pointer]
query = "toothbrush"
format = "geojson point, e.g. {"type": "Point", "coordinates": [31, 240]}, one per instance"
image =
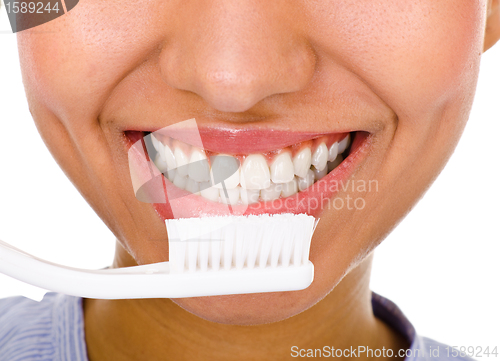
{"type": "Point", "coordinates": [209, 256]}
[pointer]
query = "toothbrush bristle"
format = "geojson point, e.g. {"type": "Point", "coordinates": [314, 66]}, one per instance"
{"type": "Point", "coordinates": [238, 242]}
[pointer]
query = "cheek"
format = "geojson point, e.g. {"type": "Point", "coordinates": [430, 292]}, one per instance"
{"type": "Point", "coordinates": [414, 56]}
{"type": "Point", "coordinates": [72, 64]}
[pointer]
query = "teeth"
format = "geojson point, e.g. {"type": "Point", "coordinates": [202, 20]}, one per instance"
{"type": "Point", "coordinates": [255, 172]}
{"type": "Point", "coordinates": [271, 192]}
{"type": "Point", "coordinates": [233, 194]}
{"type": "Point", "coordinates": [307, 181]}
{"type": "Point", "coordinates": [168, 155]}
{"type": "Point", "coordinates": [290, 188]}
{"type": "Point", "coordinates": [164, 168]}
{"type": "Point", "coordinates": [160, 163]}
{"type": "Point", "coordinates": [344, 143]}
{"type": "Point", "coordinates": [225, 168]}
{"type": "Point", "coordinates": [210, 193]}
{"type": "Point", "coordinates": [180, 181]}
{"type": "Point", "coordinates": [155, 142]}
{"type": "Point", "coordinates": [282, 168]}
{"type": "Point", "coordinates": [182, 161]}
{"type": "Point", "coordinates": [171, 175]}
{"type": "Point", "coordinates": [302, 162]}
{"type": "Point", "coordinates": [249, 196]}
{"type": "Point", "coordinates": [318, 174]}
{"type": "Point", "coordinates": [252, 181]}
{"type": "Point", "coordinates": [333, 152]}
{"type": "Point", "coordinates": [320, 157]}
{"type": "Point", "coordinates": [335, 163]}
{"type": "Point", "coordinates": [198, 168]}
{"type": "Point", "coordinates": [192, 186]}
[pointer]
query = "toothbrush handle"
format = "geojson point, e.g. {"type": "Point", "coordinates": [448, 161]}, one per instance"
{"type": "Point", "coordinates": [106, 283]}
{"type": "Point", "coordinates": [151, 280]}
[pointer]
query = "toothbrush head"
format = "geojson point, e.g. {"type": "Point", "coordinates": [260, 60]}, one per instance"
{"type": "Point", "coordinates": [243, 254]}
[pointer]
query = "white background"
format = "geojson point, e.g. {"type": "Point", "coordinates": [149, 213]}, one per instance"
{"type": "Point", "coordinates": [440, 265]}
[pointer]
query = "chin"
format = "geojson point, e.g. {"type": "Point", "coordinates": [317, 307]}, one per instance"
{"type": "Point", "coordinates": [250, 309]}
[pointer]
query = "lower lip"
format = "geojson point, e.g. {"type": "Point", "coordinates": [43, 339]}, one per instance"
{"type": "Point", "coordinates": [312, 201]}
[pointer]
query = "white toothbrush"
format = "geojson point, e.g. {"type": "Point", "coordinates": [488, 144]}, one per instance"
{"type": "Point", "coordinates": [208, 256]}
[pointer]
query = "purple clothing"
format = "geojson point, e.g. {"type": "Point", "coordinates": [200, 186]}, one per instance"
{"type": "Point", "coordinates": [52, 330]}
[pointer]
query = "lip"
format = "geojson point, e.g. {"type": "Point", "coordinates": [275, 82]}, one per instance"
{"type": "Point", "coordinates": [242, 141]}
{"type": "Point", "coordinates": [311, 201]}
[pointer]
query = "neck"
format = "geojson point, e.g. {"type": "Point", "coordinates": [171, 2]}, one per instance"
{"type": "Point", "coordinates": [158, 329]}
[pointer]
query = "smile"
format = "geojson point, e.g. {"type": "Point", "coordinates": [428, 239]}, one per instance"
{"type": "Point", "coordinates": [257, 177]}
{"type": "Point", "coordinates": [272, 172]}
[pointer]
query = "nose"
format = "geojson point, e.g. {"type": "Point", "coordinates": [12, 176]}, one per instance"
{"type": "Point", "coordinates": [234, 53]}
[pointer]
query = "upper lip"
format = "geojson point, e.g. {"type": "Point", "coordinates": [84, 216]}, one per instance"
{"type": "Point", "coordinates": [245, 141]}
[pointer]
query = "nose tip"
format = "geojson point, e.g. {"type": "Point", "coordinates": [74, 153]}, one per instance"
{"type": "Point", "coordinates": [236, 85]}
{"type": "Point", "coordinates": [233, 61]}
{"type": "Point", "coordinates": [230, 91]}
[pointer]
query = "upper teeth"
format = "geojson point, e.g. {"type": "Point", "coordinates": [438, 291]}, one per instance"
{"type": "Point", "coordinates": [188, 167]}
{"type": "Point", "coordinates": [182, 161]}
{"type": "Point", "coordinates": [302, 162]}
{"type": "Point", "coordinates": [282, 168]}
{"type": "Point", "coordinates": [255, 172]}
{"type": "Point", "coordinates": [320, 157]}
{"type": "Point", "coordinates": [198, 169]}
{"type": "Point", "coordinates": [344, 143]}
{"type": "Point", "coordinates": [168, 155]}
{"type": "Point", "coordinates": [226, 168]}
{"type": "Point", "coordinates": [333, 152]}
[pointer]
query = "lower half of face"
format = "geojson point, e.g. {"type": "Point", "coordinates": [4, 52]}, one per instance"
{"type": "Point", "coordinates": [344, 111]}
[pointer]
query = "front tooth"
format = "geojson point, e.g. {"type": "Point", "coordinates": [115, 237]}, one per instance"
{"type": "Point", "coordinates": [271, 192]}
{"type": "Point", "coordinates": [320, 157]}
{"type": "Point", "coordinates": [302, 162]}
{"type": "Point", "coordinates": [335, 163]}
{"type": "Point", "coordinates": [307, 181]}
{"type": "Point", "coordinates": [255, 172]}
{"type": "Point", "coordinates": [333, 152]}
{"type": "Point", "coordinates": [249, 196]}
{"type": "Point", "coordinates": [182, 161]}
{"type": "Point", "coordinates": [180, 181]}
{"type": "Point", "coordinates": [198, 169]}
{"type": "Point", "coordinates": [208, 192]}
{"type": "Point", "coordinates": [233, 194]}
{"type": "Point", "coordinates": [290, 188]}
{"type": "Point", "coordinates": [318, 174]}
{"type": "Point", "coordinates": [344, 143]}
{"type": "Point", "coordinates": [282, 168]}
{"type": "Point", "coordinates": [222, 166]}
{"type": "Point", "coordinates": [192, 186]}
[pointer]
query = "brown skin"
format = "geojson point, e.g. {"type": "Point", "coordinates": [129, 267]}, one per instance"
{"type": "Point", "coordinates": [492, 33]}
{"type": "Point", "coordinates": [179, 335]}
{"type": "Point", "coordinates": [404, 72]}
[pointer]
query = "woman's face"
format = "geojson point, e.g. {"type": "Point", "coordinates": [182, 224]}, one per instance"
{"type": "Point", "coordinates": [401, 72]}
